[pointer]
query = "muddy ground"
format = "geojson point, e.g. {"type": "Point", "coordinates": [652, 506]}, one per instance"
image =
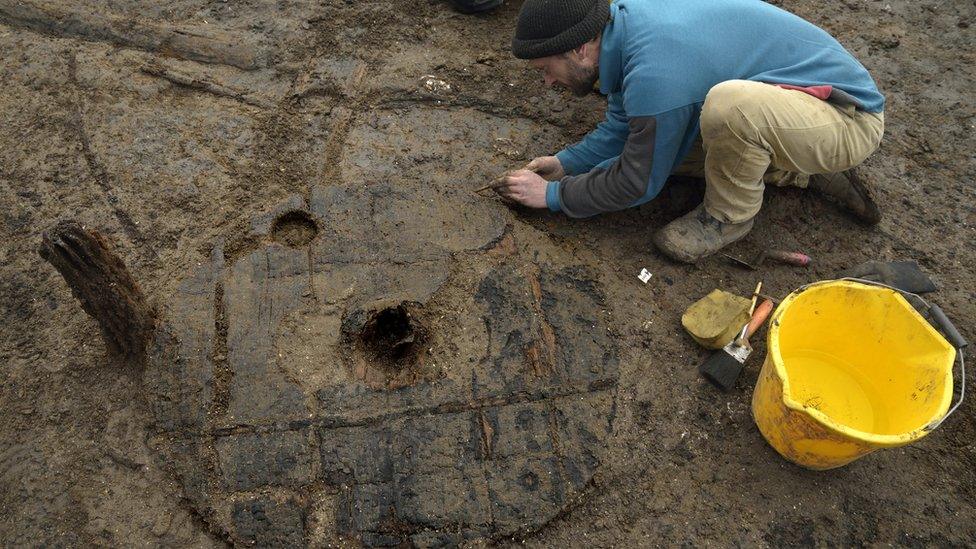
{"type": "Point", "coordinates": [99, 125]}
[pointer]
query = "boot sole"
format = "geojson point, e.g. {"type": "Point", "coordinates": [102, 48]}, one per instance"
{"type": "Point", "coordinates": [871, 214]}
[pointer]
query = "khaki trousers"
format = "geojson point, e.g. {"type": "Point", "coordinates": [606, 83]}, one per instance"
{"type": "Point", "coordinates": [753, 134]}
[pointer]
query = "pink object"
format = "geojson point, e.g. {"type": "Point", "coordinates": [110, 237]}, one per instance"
{"type": "Point", "coordinates": [820, 92]}
{"type": "Point", "coordinates": [790, 258]}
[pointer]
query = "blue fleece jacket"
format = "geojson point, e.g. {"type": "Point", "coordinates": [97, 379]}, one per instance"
{"type": "Point", "coordinates": [658, 60]}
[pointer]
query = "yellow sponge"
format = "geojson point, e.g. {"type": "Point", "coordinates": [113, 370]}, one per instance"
{"type": "Point", "coordinates": [716, 319]}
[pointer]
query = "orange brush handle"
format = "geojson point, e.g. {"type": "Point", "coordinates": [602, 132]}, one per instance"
{"type": "Point", "coordinates": [758, 317]}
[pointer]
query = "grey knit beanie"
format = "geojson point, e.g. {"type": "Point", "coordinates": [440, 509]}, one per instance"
{"type": "Point", "coordinates": [550, 27]}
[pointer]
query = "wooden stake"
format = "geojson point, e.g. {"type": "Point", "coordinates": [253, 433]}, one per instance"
{"type": "Point", "coordinates": [100, 281]}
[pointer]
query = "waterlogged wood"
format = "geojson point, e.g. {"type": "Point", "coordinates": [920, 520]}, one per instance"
{"type": "Point", "coordinates": [190, 81]}
{"type": "Point", "coordinates": [306, 375]}
{"type": "Point", "coordinates": [194, 42]}
{"type": "Point", "coordinates": [101, 282]}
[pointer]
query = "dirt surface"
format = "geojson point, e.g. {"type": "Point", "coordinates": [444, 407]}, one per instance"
{"type": "Point", "coordinates": [181, 129]}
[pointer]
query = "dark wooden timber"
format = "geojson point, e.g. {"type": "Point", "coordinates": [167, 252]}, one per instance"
{"type": "Point", "coordinates": [101, 282]}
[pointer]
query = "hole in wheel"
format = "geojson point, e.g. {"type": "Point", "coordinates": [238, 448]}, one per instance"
{"type": "Point", "coordinates": [295, 229]}
{"type": "Point", "coordinates": [392, 337]}
{"type": "Point", "coordinates": [386, 345]}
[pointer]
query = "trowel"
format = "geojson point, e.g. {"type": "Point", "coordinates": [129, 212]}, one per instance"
{"type": "Point", "coordinates": [790, 258]}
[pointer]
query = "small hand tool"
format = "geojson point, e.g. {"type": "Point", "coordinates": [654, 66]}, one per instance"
{"type": "Point", "coordinates": [790, 258]}
{"type": "Point", "coordinates": [723, 367]}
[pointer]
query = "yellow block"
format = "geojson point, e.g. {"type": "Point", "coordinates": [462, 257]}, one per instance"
{"type": "Point", "coordinates": [850, 368]}
{"type": "Point", "coordinates": [715, 320]}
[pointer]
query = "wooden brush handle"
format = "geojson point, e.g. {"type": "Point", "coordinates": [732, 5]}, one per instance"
{"type": "Point", "coordinates": [755, 296]}
{"type": "Point", "coordinates": [758, 317]}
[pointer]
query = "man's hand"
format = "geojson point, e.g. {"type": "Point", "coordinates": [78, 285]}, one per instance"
{"type": "Point", "coordinates": [524, 187]}
{"type": "Point", "coordinates": [548, 167]}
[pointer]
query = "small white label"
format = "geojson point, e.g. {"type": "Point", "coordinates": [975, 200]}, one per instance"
{"type": "Point", "coordinates": [644, 275]}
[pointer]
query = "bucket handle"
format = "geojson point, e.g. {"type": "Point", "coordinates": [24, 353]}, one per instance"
{"type": "Point", "coordinates": [940, 321]}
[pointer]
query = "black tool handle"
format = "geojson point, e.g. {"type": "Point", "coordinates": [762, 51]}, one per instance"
{"type": "Point", "coordinates": [943, 323]}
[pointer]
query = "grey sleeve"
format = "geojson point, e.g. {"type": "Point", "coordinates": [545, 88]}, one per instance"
{"type": "Point", "coordinates": [618, 185]}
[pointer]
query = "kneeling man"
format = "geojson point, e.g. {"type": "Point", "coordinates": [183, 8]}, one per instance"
{"type": "Point", "coordinates": [739, 92]}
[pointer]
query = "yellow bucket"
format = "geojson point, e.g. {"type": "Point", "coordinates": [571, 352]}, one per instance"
{"type": "Point", "coordinates": [850, 368]}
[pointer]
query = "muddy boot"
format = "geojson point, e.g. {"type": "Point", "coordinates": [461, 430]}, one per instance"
{"type": "Point", "coordinates": [849, 191]}
{"type": "Point", "coordinates": [697, 234]}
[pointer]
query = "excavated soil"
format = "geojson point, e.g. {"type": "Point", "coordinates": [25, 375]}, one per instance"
{"type": "Point", "coordinates": [354, 348]}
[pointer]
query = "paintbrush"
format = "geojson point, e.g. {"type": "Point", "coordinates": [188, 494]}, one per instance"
{"type": "Point", "coordinates": [724, 366]}
{"type": "Point", "coordinates": [755, 297]}
{"type": "Point", "coordinates": [495, 183]}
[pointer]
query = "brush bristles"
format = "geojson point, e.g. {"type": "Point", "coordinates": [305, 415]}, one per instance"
{"type": "Point", "coordinates": [721, 369]}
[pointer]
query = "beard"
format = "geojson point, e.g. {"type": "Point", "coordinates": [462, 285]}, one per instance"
{"type": "Point", "coordinates": [581, 79]}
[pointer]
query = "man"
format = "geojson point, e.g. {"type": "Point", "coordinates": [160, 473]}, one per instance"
{"type": "Point", "coordinates": [739, 92]}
